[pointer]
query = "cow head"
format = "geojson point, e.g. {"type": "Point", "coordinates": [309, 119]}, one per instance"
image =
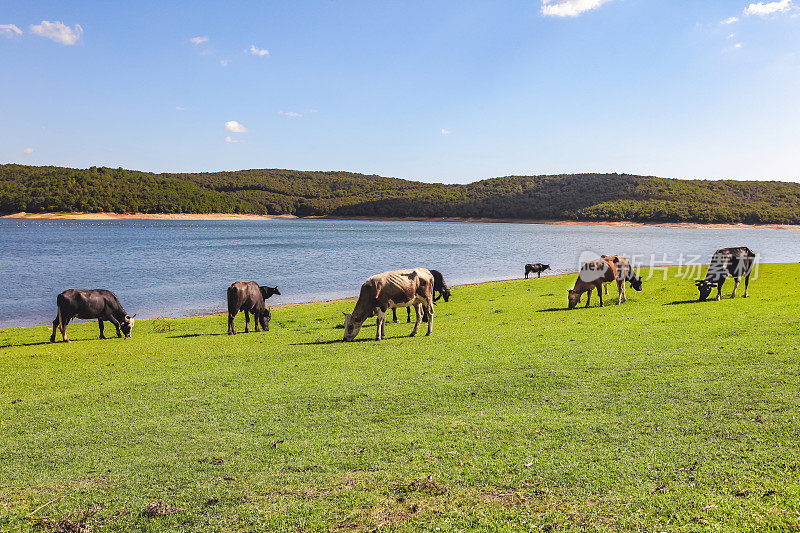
{"type": "Point", "coordinates": [351, 327]}
{"type": "Point", "coordinates": [635, 281]}
{"type": "Point", "coordinates": [126, 326]}
{"type": "Point", "coordinates": [445, 294]}
{"type": "Point", "coordinates": [704, 286]}
{"type": "Point", "coordinates": [265, 318]}
{"type": "Point", "coordinates": [574, 298]}
{"type": "Point", "coordinates": [266, 292]}
{"type": "Point", "coordinates": [545, 267]}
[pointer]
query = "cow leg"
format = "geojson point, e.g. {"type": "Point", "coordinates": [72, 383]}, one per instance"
{"type": "Point", "coordinates": [100, 323]}
{"type": "Point", "coordinates": [605, 288]}
{"type": "Point", "coordinates": [719, 290]}
{"type": "Point", "coordinates": [379, 324]}
{"type": "Point", "coordinates": [589, 296]}
{"type": "Point", "coordinates": [56, 323]}
{"type": "Point", "coordinates": [735, 286]}
{"type": "Point", "coordinates": [539, 274]}
{"type": "Point", "coordinates": [600, 295]}
{"type": "Point", "coordinates": [394, 315]}
{"type": "Point", "coordinates": [231, 328]}
{"type": "Point", "coordinates": [429, 314]}
{"type": "Point", "coordinates": [408, 318]}
{"type": "Point", "coordinates": [418, 309]}
{"type": "Point", "coordinates": [256, 320]}
{"type": "Point", "coordinates": [746, 283]}
{"type": "Point", "coordinates": [116, 325]}
{"type": "Point", "coordinates": [246, 321]}
{"type": "Point", "coordinates": [63, 326]}
{"type": "Point", "coordinates": [623, 297]}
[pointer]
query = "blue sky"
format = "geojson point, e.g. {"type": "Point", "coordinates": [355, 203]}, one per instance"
{"type": "Point", "coordinates": [436, 91]}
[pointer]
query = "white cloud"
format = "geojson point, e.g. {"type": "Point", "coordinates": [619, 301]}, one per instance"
{"type": "Point", "coordinates": [730, 20]}
{"type": "Point", "coordinates": [28, 151]}
{"type": "Point", "coordinates": [762, 9]}
{"type": "Point", "coordinates": [737, 46]}
{"type": "Point", "coordinates": [312, 111]}
{"type": "Point", "coordinates": [290, 114]}
{"type": "Point", "coordinates": [224, 62]}
{"type": "Point", "coordinates": [9, 30]}
{"type": "Point", "coordinates": [258, 51]}
{"type": "Point", "coordinates": [198, 40]}
{"type": "Point", "coordinates": [235, 127]}
{"type": "Point", "coordinates": [446, 132]}
{"type": "Point", "coordinates": [179, 108]}
{"type": "Point", "coordinates": [229, 140]}
{"type": "Point", "coordinates": [731, 36]}
{"type": "Point", "coordinates": [569, 8]}
{"type": "Point", "coordinates": [58, 32]}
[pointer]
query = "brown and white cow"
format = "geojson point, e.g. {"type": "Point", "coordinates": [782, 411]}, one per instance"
{"type": "Point", "coordinates": [595, 273]}
{"type": "Point", "coordinates": [396, 288]}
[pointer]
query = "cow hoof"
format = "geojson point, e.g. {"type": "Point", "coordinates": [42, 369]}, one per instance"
{"type": "Point", "coordinates": [745, 295]}
{"type": "Point", "coordinates": [102, 336]}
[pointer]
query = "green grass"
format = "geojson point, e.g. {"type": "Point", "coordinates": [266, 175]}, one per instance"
{"type": "Point", "coordinates": [515, 415]}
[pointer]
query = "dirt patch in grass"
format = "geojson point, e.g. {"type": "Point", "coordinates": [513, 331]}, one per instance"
{"type": "Point", "coordinates": [160, 508]}
{"type": "Point", "coordinates": [72, 522]}
{"type": "Point", "coordinates": [31, 495]}
{"type": "Point", "coordinates": [428, 486]}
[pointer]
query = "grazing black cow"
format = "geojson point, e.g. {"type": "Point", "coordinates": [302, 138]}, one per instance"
{"type": "Point", "coordinates": [535, 268]}
{"type": "Point", "coordinates": [249, 297]}
{"type": "Point", "coordinates": [736, 262]}
{"type": "Point", "coordinates": [88, 304]}
{"type": "Point", "coordinates": [438, 286]}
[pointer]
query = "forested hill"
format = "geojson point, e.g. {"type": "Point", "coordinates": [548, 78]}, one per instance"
{"type": "Point", "coordinates": [274, 191]}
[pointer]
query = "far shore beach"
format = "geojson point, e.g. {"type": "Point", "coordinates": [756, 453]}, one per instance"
{"type": "Point", "coordinates": [228, 216]}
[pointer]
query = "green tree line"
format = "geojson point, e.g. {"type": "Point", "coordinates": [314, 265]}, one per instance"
{"type": "Point", "coordinates": [304, 193]}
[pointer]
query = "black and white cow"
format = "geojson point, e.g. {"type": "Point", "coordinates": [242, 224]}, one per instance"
{"type": "Point", "coordinates": [535, 268]}
{"type": "Point", "coordinates": [736, 262]}
{"type": "Point", "coordinates": [88, 304]}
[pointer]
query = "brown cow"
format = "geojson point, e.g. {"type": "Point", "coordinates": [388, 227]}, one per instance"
{"type": "Point", "coordinates": [396, 288]}
{"type": "Point", "coordinates": [595, 273]}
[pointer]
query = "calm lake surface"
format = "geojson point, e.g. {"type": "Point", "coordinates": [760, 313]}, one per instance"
{"type": "Point", "coordinates": [178, 268]}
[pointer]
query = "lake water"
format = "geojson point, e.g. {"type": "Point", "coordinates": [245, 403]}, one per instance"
{"type": "Point", "coordinates": [178, 268]}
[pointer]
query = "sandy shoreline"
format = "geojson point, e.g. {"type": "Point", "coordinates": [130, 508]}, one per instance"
{"type": "Point", "coordinates": [226, 216]}
{"type": "Point", "coordinates": [142, 216]}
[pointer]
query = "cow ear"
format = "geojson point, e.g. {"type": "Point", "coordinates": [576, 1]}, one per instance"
{"type": "Point", "coordinates": [127, 317]}
{"type": "Point", "coordinates": [616, 260]}
{"type": "Point", "coordinates": [134, 315]}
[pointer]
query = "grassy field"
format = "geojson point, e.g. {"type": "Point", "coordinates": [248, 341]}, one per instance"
{"type": "Point", "coordinates": [662, 414]}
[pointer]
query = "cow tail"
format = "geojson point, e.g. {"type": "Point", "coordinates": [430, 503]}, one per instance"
{"type": "Point", "coordinates": [232, 300]}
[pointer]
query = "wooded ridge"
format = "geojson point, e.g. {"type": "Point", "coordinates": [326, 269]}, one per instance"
{"type": "Point", "coordinates": [589, 197]}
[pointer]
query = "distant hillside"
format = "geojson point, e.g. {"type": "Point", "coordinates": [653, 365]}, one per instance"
{"type": "Point", "coordinates": [274, 191]}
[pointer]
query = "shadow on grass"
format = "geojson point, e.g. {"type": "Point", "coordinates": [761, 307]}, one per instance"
{"type": "Point", "coordinates": [681, 302]}
{"type": "Point", "coordinates": [42, 343]}
{"type": "Point", "coordinates": [25, 344]}
{"type": "Point", "coordinates": [335, 341]}
{"type": "Point", "coordinates": [189, 335]}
